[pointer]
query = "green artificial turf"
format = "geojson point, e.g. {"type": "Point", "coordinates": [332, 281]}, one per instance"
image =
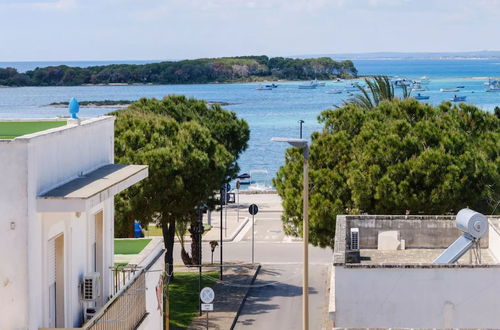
{"type": "Point", "coordinates": [130, 246]}
{"type": "Point", "coordinates": [184, 297]}
{"type": "Point", "coordinates": [13, 129]}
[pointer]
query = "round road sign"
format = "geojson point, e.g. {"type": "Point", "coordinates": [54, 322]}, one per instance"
{"type": "Point", "coordinates": [253, 209]}
{"type": "Point", "coordinates": [207, 295]}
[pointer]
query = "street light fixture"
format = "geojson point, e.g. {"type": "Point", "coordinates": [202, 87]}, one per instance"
{"type": "Point", "coordinates": [301, 143]}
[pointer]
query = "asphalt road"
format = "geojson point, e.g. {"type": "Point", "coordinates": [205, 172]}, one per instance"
{"type": "Point", "coordinates": [275, 300]}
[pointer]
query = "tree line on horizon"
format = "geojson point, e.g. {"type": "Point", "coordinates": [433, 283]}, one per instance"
{"type": "Point", "coordinates": [198, 71]}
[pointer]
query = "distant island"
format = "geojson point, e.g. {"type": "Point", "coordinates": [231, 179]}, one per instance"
{"type": "Point", "coordinates": [199, 71]}
{"type": "Point", "coordinates": [115, 104]}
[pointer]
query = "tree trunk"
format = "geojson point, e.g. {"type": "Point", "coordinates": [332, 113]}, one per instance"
{"type": "Point", "coordinates": [195, 243]}
{"type": "Point", "coordinates": [168, 230]}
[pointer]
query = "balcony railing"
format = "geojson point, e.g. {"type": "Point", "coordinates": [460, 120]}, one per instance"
{"type": "Point", "coordinates": [125, 310]}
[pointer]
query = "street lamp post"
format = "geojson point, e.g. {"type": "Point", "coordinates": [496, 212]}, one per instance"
{"type": "Point", "coordinates": [301, 143]}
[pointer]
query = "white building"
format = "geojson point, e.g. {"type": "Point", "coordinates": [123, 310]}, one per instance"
{"type": "Point", "coordinates": [395, 284]}
{"type": "Point", "coordinates": [56, 221]}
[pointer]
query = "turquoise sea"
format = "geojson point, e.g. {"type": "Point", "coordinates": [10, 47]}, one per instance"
{"type": "Point", "coordinates": [269, 113]}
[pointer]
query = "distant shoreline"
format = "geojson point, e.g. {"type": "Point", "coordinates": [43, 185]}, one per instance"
{"type": "Point", "coordinates": [119, 104]}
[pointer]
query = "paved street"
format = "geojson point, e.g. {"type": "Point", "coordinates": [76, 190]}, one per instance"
{"type": "Point", "coordinates": [275, 299]}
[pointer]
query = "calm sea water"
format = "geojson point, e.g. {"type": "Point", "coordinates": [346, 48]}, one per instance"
{"type": "Point", "coordinates": [269, 113]}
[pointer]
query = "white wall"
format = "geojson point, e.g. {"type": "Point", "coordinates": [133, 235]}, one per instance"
{"type": "Point", "coordinates": [494, 241]}
{"type": "Point", "coordinates": [417, 297]}
{"type": "Point", "coordinates": [154, 318]}
{"type": "Point", "coordinates": [29, 166]}
{"type": "Point", "coordinates": [13, 254]}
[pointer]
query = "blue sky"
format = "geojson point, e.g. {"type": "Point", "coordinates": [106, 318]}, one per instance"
{"type": "Point", "coordinates": [45, 30]}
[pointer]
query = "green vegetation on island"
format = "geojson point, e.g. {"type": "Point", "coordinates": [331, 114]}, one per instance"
{"type": "Point", "coordinates": [104, 103]}
{"type": "Point", "coordinates": [199, 71]}
{"type": "Point", "coordinates": [191, 149]}
{"type": "Point", "coordinates": [396, 157]}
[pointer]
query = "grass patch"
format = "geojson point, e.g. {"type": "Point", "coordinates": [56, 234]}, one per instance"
{"type": "Point", "coordinates": [184, 297]}
{"type": "Point", "coordinates": [13, 129]}
{"type": "Point", "coordinates": [130, 246]}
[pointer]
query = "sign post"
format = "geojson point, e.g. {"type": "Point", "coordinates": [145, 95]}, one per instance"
{"type": "Point", "coordinates": [253, 210]}
{"type": "Point", "coordinates": [207, 296]}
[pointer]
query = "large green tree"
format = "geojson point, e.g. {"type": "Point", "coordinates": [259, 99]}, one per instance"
{"type": "Point", "coordinates": [191, 149]}
{"type": "Point", "coordinates": [399, 156]}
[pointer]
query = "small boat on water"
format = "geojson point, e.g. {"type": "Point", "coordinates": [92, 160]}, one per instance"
{"type": "Point", "coordinates": [457, 98]}
{"type": "Point", "coordinates": [460, 86]}
{"type": "Point", "coordinates": [449, 90]}
{"type": "Point", "coordinates": [418, 88]}
{"type": "Point", "coordinates": [494, 86]}
{"type": "Point", "coordinates": [334, 91]}
{"type": "Point", "coordinates": [309, 85]}
{"type": "Point", "coordinates": [264, 88]}
{"type": "Point", "coordinates": [403, 82]}
{"type": "Point", "coordinates": [421, 97]}
{"type": "Point", "coordinates": [273, 85]}
{"type": "Point", "coordinates": [424, 80]}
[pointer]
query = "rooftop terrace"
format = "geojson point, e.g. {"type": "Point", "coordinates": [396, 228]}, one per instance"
{"type": "Point", "coordinates": [420, 240]}
{"type": "Point", "coordinates": [13, 129]}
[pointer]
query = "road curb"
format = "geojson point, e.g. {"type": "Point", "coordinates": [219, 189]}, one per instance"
{"type": "Point", "coordinates": [245, 298]}
{"type": "Point", "coordinates": [233, 235]}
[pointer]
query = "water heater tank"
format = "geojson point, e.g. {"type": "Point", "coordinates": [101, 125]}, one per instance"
{"type": "Point", "coordinates": [472, 222]}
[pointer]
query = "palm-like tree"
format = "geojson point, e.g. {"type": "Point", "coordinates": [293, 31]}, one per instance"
{"type": "Point", "coordinates": [379, 89]}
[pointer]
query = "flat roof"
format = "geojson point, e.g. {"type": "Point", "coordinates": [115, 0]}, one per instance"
{"type": "Point", "coordinates": [92, 188]}
{"type": "Point", "coordinates": [416, 256]}
{"type": "Point", "coordinates": [12, 129]}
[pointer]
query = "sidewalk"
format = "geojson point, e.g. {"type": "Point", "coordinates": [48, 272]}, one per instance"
{"type": "Point", "coordinates": [230, 295]}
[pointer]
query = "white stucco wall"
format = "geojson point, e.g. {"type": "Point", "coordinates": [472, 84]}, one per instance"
{"type": "Point", "coordinates": [13, 254]}
{"type": "Point", "coordinates": [29, 166]}
{"type": "Point", "coordinates": [417, 297]}
{"type": "Point", "coordinates": [153, 274]}
{"type": "Point", "coordinates": [494, 241]}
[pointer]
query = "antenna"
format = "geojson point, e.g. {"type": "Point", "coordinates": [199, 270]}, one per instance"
{"type": "Point", "coordinates": [474, 225]}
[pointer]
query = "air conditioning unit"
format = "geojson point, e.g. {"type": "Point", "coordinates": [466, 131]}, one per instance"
{"type": "Point", "coordinates": [89, 313]}
{"type": "Point", "coordinates": [90, 287]}
{"type": "Point", "coordinates": [355, 239]}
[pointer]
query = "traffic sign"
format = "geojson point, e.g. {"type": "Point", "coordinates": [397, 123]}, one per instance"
{"type": "Point", "coordinates": [253, 209]}
{"type": "Point", "coordinates": [207, 295]}
{"type": "Point", "coordinates": [207, 307]}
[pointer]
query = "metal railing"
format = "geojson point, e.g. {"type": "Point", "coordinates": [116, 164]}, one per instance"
{"type": "Point", "coordinates": [125, 310]}
{"type": "Point", "coordinates": [122, 275]}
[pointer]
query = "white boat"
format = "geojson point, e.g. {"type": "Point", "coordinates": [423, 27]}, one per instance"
{"type": "Point", "coordinates": [494, 86]}
{"type": "Point", "coordinates": [449, 90]}
{"type": "Point", "coordinates": [418, 88]}
{"type": "Point", "coordinates": [319, 83]}
{"type": "Point", "coordinates": [264, 88]}
{"type": "Point", "coordinates": [424, 80]}
{"type": "Point", "coordinates": [309, 85]}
